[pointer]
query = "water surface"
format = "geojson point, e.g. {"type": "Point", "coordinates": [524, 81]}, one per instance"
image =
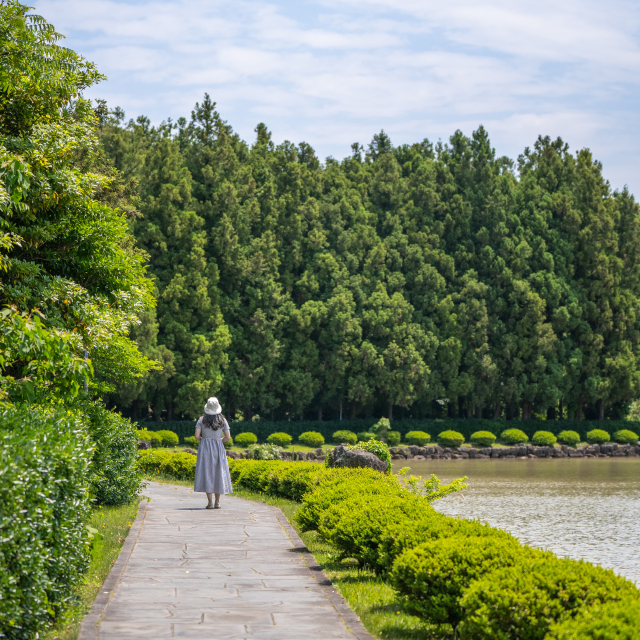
{"type": "Point", "coordinates": [580, 508]}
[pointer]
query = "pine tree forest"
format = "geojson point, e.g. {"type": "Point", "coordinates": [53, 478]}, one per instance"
{"type": "Point", "coordinates": [422, 280]}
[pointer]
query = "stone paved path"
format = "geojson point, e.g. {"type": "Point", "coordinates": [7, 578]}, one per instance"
{"type": "Point", "coordinates": [216, 574]}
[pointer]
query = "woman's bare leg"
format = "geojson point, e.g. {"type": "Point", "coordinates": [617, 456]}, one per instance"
{"type": "Point", "coordinates": [210, 497]}
{"type": "Point", "coordinates": [217, 498]}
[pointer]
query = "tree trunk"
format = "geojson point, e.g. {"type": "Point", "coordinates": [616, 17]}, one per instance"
{"type": "Point", "coordinates": [469, 411]}
{"type": "Point", "coordinates": [561, 410]}
{"type": "Point", "coordinates": [551, 413]}
{"type": "Point", "coordinates": [320, 413]}
{"type": "Point", "coordinates": [526, 410]}
{"type": "Point", "coordinates": [478, 413]}
{"type": "Point", "coordinates": [579, 412]}
{"type": "Point", "coordinates": [170, 411]}
{"type": "Point", "coordinates": [496, 410]}
{"type": "Point", "coordinates": [390, 414]}
{"type": "Point", "coordinates": [248, 414]}
{"type": "Point", "coordinates": [353, 411]}
{"type": "Point", "coordinates": [302, 415]}
{"type": "Point", "coordinates": [601, 409]}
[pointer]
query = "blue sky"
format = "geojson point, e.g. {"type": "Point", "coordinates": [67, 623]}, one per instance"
{"type": "Point", "coordinates": [335, 72]}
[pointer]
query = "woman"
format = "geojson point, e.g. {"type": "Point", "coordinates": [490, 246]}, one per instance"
{"type": "Point", "coordinates": [212, 469]}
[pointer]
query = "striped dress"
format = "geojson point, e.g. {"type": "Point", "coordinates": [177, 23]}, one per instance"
{"type": "Point", "coordinates": [212, 469]}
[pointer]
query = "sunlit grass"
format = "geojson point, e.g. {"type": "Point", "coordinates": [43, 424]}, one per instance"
{"type": "Point", "coordinates": [113, 524]}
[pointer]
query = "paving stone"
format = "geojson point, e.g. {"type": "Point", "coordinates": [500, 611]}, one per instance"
{"type": "Point", "coordinates": [216, 574]}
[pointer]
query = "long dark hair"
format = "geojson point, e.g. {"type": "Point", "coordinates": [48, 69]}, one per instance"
{"type": "Point", "coordinates": [213, 422]}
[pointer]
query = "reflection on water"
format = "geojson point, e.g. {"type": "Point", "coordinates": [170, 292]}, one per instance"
{"type": "Point", "coordinates": [578, 508]}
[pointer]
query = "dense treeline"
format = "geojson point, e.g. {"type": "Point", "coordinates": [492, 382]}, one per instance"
{"type": "Point", "coordinates": [434, 279]}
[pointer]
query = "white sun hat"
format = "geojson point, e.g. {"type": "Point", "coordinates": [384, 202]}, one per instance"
{"type": "Point", "coordinates": [212, 407]}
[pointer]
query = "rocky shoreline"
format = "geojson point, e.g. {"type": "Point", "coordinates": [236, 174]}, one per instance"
{"type": "Point", "coordinates": [519, 452]}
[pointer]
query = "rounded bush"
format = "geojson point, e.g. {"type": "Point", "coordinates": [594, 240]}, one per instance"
{"type": "Point", "coordinates": [612, 621]}
{"type": "Point", "coordinates": [191, 441]}
{"type": "Point", "coordinates": [434, 575]}
{"type": "Point", "coordinates": [450, 438]}
{"type": "Point", "coordinates": [625, 436]}
{"type": "Point", "coordinates": [246, 438]}
{"type": "Point", "coordinates": [311, 439]}
{"type": "Point", "coordinates": [169, 438]}
{"type": "Point", "coordinates": [344, 437]}
{"type": "Point", "coordinates": [544, 439]}
{"type": "Point", "coordinates": [376, 447]}
{"type": "Point", "coordinates": [381, 426]}
{"type": "Point", "coordinates": [229, 443]}
{"type": "Point", "coordinates": [280, 438]}
{"type": "Point", "coordinates": [419, 438]}
{"type": "Point", "coordinates": [598, 436]}
{"type": "Point", "coordinates": [514, 436]}
{"type": "Point", "coordinates": [523, 601]}
{"type": "Point", "coordinates": [392, 438]}
{"type": "Point", "coordinates": [150, 436]}
{"type": "Point", "coordinates": [570, 438]}
{"type": "Point", "coordinates": [483, 438]}
{"type": "Point", "coordinates": [365, 436]}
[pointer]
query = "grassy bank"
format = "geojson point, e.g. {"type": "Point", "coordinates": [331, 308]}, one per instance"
{"type": "Point", "coordinates": [378, 606]}
{"type": "Point", "coordinates": [113, 524]}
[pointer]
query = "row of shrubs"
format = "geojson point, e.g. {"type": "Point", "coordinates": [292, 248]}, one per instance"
{"type": "Point", "coordinates": [447, 438]}
{"type": "Point", "coordinates": [478, 579]}
{"type": "Point", "coordinates": [263, 428]}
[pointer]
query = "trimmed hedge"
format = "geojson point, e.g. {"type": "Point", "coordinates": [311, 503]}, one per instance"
{"type": "Point", "coordinates": [544, 439]}
{"type": "Point", "coordinates": [45, 487]}
{"type": "Point", "coordinates": [392, 438]}
{"type": "Point", "coordinates": [598, 436]}
{"type": "Point", "coordinates": [280, 438]}
{"type": "Point", "coordinates": [311, 439]}
{"type": "Point", "coordinates": [262, 428]}
{"type": "Point", "coordinates": [483, 438]}
{"type": "Point", "coordinates": [570, 438]}
{"type": "Point", "coordinates": [246, 438]}
{"type": "Point", "coordinates": [419, 438]}
{"type": "Point", "coordinates": [523, 601]}
{"type": "Point", "coordinates": [625, 436]}
{"type": "Point", "coordinates": [344, 436]}
{"type": "Point", "coordinates": [514, 436]}
{"type": "Point", "coordinates": [450, 438]}
{"type": "Point", "coordinates": [177, 465]}
{"type": "Point", "coordinates": [169, 438]}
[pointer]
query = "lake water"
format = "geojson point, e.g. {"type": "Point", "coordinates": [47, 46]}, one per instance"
{"type": "Point", "coordinates": [580, 508]}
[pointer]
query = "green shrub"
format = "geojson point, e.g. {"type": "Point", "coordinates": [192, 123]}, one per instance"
{"type": "Point", "coordinates": [280, 439]}
{"type": "Point", "coordinates": [625, 436]}
{"type": "Point", "coordinates": [483, 438]}
{"type": "Point", "coordinates": [179, 465]}
{"type": "Point", "coordinates": [514, 436]}
{"type": "Point", "coordinates": [450, 439]}
{"type": "Point", "coordinates": [245, 439]}
{"type": "Point", "coordinates": [114, 475]}
{"type": "Point", "coordinates": [570, 438]}
{"type": "Point", "coordinates": [44, 483]}
{"type": "Point", "coordinates": [610, 621]}
{"type": "Point", "coordinates": [392, 438]}
{"type": "Point", "coordinates": [544, 439]}
{"type": "Point", "coordinates": [150, 436]}
{"type": "Point", "coordinates": [381, 426]}
{"type": "Point", "coordinates": [342, 484]}
{"type": "Point", "coordinates": [523, 601]}
{"type": "Point", "coordinates": [344, 437]}
{"type": "Point", "coordinates": [228, 444]}
{"type": "Point", "coordinates": [311, 439]}
{"type": "Point", "coordinates": [598, 436]}
{"type": "Point", "coordinates": [365, 436]}
{"type": "Point", "coordinates": [191, 441]}
{"type": "Point", "coordinates": [356, 525]}
{"type": "Point", "coordinates": [419, 438]}
{"type": "Point", "coordinates": [434, 574]}
{"type": "Point", "coordinates": [430, 526]}
{"type": "Point", "coordinates": [169, 438]}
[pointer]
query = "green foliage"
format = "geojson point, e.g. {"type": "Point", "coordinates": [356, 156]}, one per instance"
{"type": "Point", "coordinates": [523, 601]}
{"type": "Point", "coordinates": [434, 575]}
{"type": "Point", "coordinates": [344, 437]}
{"type": "Point", "coordinates": [365, 436]}
{"type": "Point", "coordinates": [268, 451]}
{"type": "Point", "coordinates": [514, 436]}
{"type": "Point", "coordinates": [279, 438]}
{"type": "Point", "coordinates": [376, 447]}
{"type": "Point", "coordinates": [311, 439]}
{"type": "Point", "coordinates": [611, 621]}
{"type": "Point", "coordinates": [598, 436]}
{"type": "Point", "coordinates": [544, 439]}
{"type": "Point", "coordinates": [44, 483]}
{"type": "Point", "coordinates": [625, 436]}
{"type": "Point", "coordinates": [570, 438]}
{"type": "Point", "coordinates": [483, 438]}
{"type": "Point", "coordinates": [419, 438]}
{"type": "Point", "coordinates": [169, 438]}
{"type": "Point", "coordinates": [192, 442]}
{"type": "Point", "coordinates": [450, 438]}
{"type": "Point", "coordinates": [245, 439]}
{"type": "Point", "coordinates": [431, 489]}
{"type": "Point", "coordinates": [383, 425]}
{"type": "Point", "coordinates": [228, 444]}
{"type": "Point", "coordinates": [392, 438]}
{"type": "Point", "coordinates": [356, 525]}
{"type": "Point", "coordinates": [179, 465]}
